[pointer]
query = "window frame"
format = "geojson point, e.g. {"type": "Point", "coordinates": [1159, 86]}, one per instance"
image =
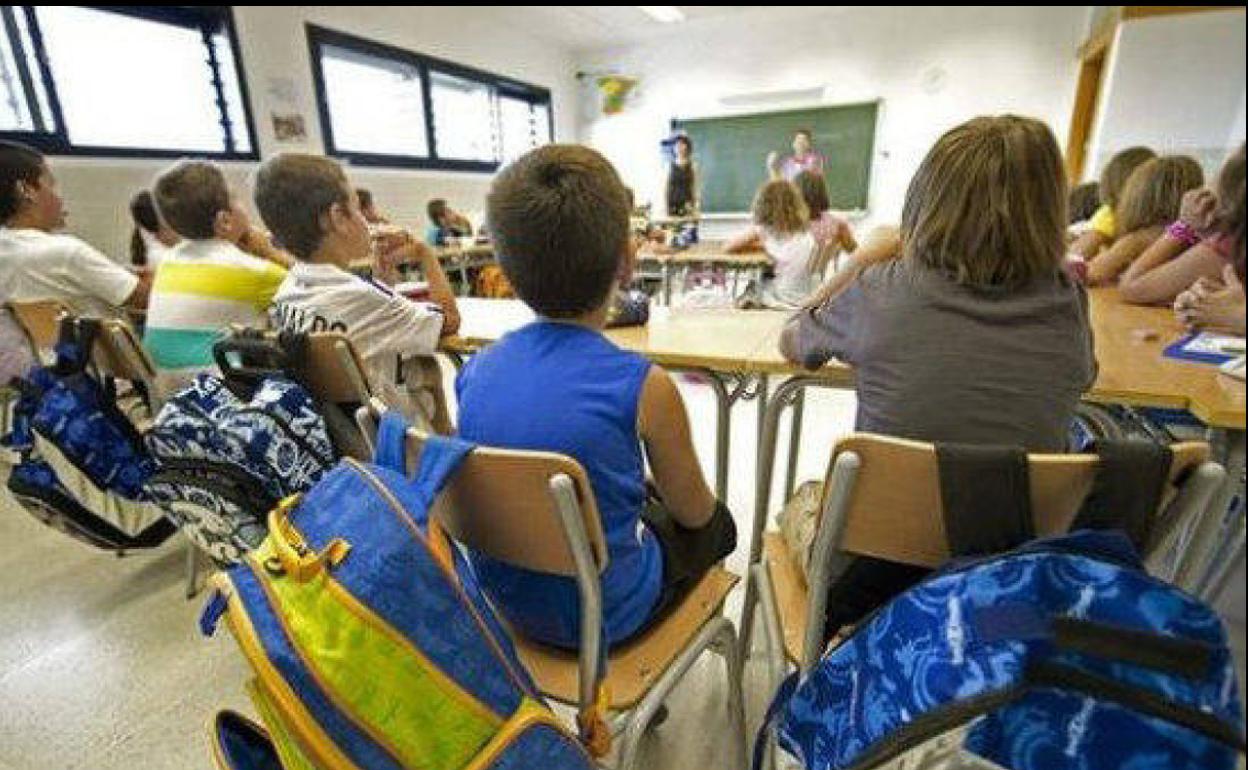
{"type": "Point", "coordinates": [219, 18]}
{"type": "Point", "coordinates": [320, 37]}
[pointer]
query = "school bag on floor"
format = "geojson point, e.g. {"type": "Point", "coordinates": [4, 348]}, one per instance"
{"type": "Point", "coordinates": [226, 461]}
{"type": "Point", "coordinates": [83, 463]}
{"type": "Point", "coordinates": [370, 640]}
{"type": "Point", "coordinates": [1061, 654]}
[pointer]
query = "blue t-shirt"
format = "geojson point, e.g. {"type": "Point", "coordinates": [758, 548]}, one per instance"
{"type": "Point", "coordinates": [559, 387]}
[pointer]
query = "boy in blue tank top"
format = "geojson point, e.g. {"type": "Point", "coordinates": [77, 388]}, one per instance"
{"type": "Point", "coordinates": [560, 222]}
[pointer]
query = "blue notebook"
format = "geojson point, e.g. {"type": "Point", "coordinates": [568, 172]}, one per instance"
{"type": "Point", "coordinates": [1206, 348]}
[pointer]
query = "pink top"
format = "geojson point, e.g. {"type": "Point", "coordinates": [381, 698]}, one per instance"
{"type": "Point", "coordinates": [796, 164]}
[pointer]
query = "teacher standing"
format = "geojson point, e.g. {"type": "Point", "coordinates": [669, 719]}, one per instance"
{"type": "Point", "coordinates": [804, 158]}
{"type": "Point", "coordinates": [682, 180]}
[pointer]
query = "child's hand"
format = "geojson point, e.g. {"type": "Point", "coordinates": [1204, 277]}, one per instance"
{"type": "Point", "coordinates": [1197, 209]}
{"type": "Point", "coordinates": [255, 241]}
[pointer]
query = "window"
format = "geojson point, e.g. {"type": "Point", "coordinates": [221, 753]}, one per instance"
{"type": "Point", "coordinates": [123, 80]}
{"type": "Point", "coordinates": [381, 105]}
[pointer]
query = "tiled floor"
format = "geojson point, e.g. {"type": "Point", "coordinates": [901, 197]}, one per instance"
{"type": "Point", "coordinates": [102, 668]}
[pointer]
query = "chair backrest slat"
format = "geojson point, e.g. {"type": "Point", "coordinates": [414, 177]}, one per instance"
{"type": "Point", "coordinates": [500, 504]}
{"type": "Point", "coordinates": [896, 511]}
{"type": "Point", "coordinates": [334, 372]}
{"type": "Point", "coordinates": [41, 322]}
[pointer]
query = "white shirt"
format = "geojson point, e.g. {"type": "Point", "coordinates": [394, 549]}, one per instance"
{"type": "Point", "coordinates": [385, 328]}
{"type": "Point", "coordinates": [794, 255]}
{"type": "Point", "coordinates": [35, 265]}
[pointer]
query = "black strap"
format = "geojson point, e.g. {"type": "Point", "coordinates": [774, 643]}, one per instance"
{"type": "Point", "coordinates": [986, 495]}
{"type": "Point", "coordinates": [1128, 489]}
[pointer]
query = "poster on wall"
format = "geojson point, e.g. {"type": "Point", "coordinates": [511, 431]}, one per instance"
{"type": "Point", "coordinates": [289, 128]}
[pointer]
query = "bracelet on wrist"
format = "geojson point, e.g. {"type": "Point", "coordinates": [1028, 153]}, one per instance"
{"type": "Point", "coordinates": [1183, 233]}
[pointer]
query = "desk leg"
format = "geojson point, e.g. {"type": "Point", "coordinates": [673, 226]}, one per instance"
{"type": "Point", "coordinates": [795, 441]}
{"type": "Point", "coordinates": [1219, 567]}
{"type": "Point", "coordinates": [667, 284]}
{"type": "Point", "coordinates": [723, 432]}
{"type": "Point", "coordinates": [784, 396]}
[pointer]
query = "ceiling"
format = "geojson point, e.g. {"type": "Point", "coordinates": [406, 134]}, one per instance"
{"type": "Point", "coordinates": [585, 27]}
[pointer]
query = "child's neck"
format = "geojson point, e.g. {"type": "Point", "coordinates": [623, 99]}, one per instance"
{"type": "Point", "coordinates": [330, 256]}
{"type": "Point", "coordinates": [23, 220]}
{"type": "Point", "coordinates": [595, 320]}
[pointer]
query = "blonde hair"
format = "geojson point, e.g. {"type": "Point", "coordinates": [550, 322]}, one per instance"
{"type": "Point", "coordinates": [988, 204]}
{"type": "Point", "coordinates": [779, 207]}
{"type": "Point", "coordinates": [1154, 192]}
{"type": "Point", "coordinates": [1118, 170]}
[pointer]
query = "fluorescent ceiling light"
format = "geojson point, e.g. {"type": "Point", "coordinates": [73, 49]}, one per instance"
{"type": "Point", "coordinates": [668, 14]}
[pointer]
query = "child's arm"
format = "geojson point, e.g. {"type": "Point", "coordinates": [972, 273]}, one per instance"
{"type": "Point", "coordinates": [749, 240]}
{"type": "Point", "coordinates": [664, 427]}
{"type": "Point", "coordinates": [440, 292]}
{"type": "Point", "coordinates": [883, 244]}
{"type": "Point", "coordinates": [1105, 268]}
{"type": "Point", "coordinates": [1166, 269]}
{"type": "Point", "coordinates": [1089, 244]}
{"type": "Point", "coordinates": [257, 244]}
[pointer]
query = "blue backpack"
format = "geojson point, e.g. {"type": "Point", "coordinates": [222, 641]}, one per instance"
{"type": "Point", "coordinates": [371, 643]}
{"type": "Point", "coordinates": [226, 461]}
{"type": "Point", "coordinates": [83, 465]}
{"type": "Point", "coordinates": [1061, 654]}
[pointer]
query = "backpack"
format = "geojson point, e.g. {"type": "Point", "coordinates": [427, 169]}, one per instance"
{"type": "Point", "coordinates": [225, 461]}
{"type": "Point", "coordinates": [372, 644]}
{"type": "Point", "coordinates": [83, 463]}
{"type": "Point", "coordinates": [1061, 654]}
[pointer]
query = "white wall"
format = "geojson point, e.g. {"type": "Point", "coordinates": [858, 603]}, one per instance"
{"type": "Point", "coordinates": [1175, 83]}
{"type": "Point", "coordinates": [933, 67]}
{"type": "Point", "coordinates": [274, 48]}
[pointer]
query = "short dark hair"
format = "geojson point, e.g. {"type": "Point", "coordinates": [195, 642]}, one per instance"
{"type": "Point", "coordinates": [436, 209]}
{"type": "Point", "coordinates": [293, 190]}
{"type": "Point", "coordinates": [18, 163]}
{"type": "Point", "coordinates": [189, 195]}
{"type": "Point", "coordinates": [559, 217]}
{"type": "Point", "coordinates": [143, 212]}
{"type": "Point", "coordinates": [684, 138]}
{"type": "Point", "coordinates": [1083, 202]}
{"type": "Point", "coordinates": [814, 189]}
{"type": "Point", "coordinates": [805, 132]}
{"type": "Point", "coordinates": [365, 197]}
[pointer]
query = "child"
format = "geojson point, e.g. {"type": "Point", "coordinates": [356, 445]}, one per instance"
{"type": "Point", "coordinates": [1150, 200]}
{"type": "Point", "coordinates": [832, 233]}
{"type": "Point", "coordinates": [560, 217]}
{"type": "Point", "coordinates": [1197, 245]}
{"type": "Point", "coordinates": [445, 223]}
{"type": "Point", "coordinates": [306, 202]}
{"type": "Point", "coordinates": [964, 328]}
{"type": "Point", "coordinates": [208, 282]}
{"type": "Point", "coordinates": [151, 238]}
{"type": "Point", "coordinates": [368, 208]}
{"type": "Point", "coordinates": [1084, 202]}
{"type": "Point", "coordinates": [1102, 229]}
{"type": "Point", "coordinates": [38, 263]}
{"type": "Point", "coordinates": [782, 228]}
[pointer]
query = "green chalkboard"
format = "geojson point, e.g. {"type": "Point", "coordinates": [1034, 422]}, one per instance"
{"type": "Point", "coordinates": [731, 152]}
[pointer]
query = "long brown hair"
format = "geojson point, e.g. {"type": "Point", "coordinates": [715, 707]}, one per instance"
{"type": "Point", "coordinates": [1154, 192]}
{"type": "Point", "coordinates": [778, 206]}
{"type": "Point", "coordinates": [814, 189]}
{"type": "Point", "coordinates": [1229, 217]}
{"type": "Point", "coordinates": [1119, 169]}
{"type": "Point", "coordinates": [988, 204]}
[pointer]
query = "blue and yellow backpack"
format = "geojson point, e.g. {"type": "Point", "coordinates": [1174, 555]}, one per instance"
{"type": "Point", "coordinates": [371, 643]}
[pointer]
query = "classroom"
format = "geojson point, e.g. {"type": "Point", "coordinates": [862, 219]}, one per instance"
{"type": "Point", "coordinates": [655, 387]}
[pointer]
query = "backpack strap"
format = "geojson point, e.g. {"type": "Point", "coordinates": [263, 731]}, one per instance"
{"type": "Point", "coordinates": [439, 459]}
{"type": "Point", "coordinates": [391, 448]}
{"type": "Point", "coordinates": [986, 495]}
{"type": "Point", "coordinates": [1128, 489]}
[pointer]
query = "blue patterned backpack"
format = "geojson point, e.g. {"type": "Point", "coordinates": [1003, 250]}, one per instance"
{"type": "Point", "coordinates": [226, 461]}
{"type": "Point", "coordinates": [1063, 654]}
{"type": "Point", "coordinates": [372, 645]}
{"type": "Point", "coordinates": [83, 463]}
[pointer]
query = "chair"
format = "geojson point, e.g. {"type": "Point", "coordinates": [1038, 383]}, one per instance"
{"type": "Point", "coordinates": [882, 498]}
{"type": "Point", "coordinates": [40, 320]}
{"type": "Point", "coordinates": [119, 354]}
{"type": "Point", "coordinates": [536, 510]}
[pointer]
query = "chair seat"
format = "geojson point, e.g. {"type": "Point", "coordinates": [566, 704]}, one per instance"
{"type": "Point", "coordinates": [633, 668]}
{"type": "Point", "coordinates": [789, 585]}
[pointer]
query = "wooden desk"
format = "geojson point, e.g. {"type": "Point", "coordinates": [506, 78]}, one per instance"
{"type": "Point", "coordinates": [454, 259]}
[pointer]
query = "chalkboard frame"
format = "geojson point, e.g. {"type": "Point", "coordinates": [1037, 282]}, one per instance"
{"type": "Point", "coordinates": [677, 125]}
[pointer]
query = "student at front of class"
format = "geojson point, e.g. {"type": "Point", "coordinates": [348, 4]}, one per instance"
{"type": "Point", "coordinates": [1102, 230]}
{"type": "Point", "coordinates": [1149, 201]}
{"type": "Point", "coordinates": [560, 219]}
